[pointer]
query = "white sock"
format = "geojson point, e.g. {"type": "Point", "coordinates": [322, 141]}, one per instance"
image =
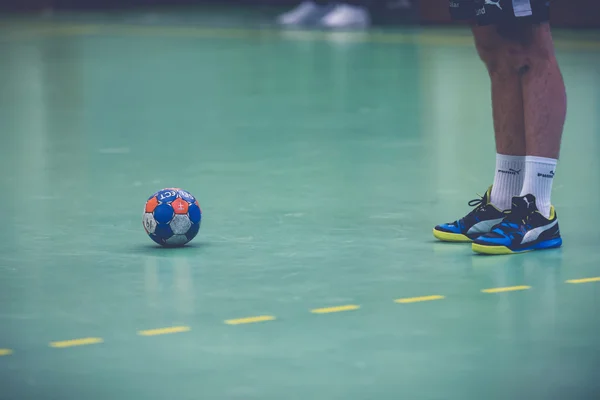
{"type": "Point", "coordinates": [539, 175]}
{"type": "Point", "coordinates": [508, 181]}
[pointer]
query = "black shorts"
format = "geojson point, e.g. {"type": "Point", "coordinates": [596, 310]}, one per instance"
{"type": "Point", "coordinates": [491, 12]}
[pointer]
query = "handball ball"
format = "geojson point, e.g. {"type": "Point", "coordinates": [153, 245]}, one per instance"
{"type": "Point", "coordinates": [172, 217]}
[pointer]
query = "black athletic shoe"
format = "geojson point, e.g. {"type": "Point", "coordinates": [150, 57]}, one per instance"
{"type": "Point", "coordinates": [479, 221]}
{"type": "Point", "coordinates": [524, 229]}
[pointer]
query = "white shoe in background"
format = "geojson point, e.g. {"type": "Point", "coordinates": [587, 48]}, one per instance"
{"type": "Point", "coordinates": [344, 16]}
{"type": "Point", "coordinates": [308, 12]}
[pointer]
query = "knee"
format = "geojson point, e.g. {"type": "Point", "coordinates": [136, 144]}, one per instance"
{"type": "Point", "coordinates": [504, 58]}
{"type": "Point", "coordinates": [494, 55]}
{"type": "Point", "coordinates": [510, 50]}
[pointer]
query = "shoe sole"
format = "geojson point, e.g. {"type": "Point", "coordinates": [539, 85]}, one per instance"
{"type": "Point", "coordinates": [451, 237]}
{"type": "Point", "coordinates": [503, 250]}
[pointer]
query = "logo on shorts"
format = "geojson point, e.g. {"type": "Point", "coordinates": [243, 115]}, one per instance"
{"type": "Point", "coordinates": [493, 3]}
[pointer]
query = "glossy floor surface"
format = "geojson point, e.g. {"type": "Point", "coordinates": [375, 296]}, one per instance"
{"type": "Point", "coordinates": [321, 162]}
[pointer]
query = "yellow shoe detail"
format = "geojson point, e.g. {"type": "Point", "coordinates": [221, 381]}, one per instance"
{"type": "Point", "coordinates": [492, 250]}
{"type": "Point", "coordinates": [450, 237]}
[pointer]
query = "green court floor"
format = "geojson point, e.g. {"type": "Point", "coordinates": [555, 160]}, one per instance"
{"type": "Point", "coordinates": [321, 162]}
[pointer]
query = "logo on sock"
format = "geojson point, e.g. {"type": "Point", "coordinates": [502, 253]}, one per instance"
{"type": "Point", "coordinates": [510, 171]}
{"type": "Point", "coordinates": [550, 175]}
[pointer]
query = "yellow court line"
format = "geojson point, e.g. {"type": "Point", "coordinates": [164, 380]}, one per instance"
{"type": "Point", "coordinates": [328, 310]}
{"type": "Point", "coordinates": [5, 352]}
{"type": "Point", "coordinates": [419, 299]}
{"type": "Point", "coordinates": [164, 331]}
{"type": "Point", "coordinates": [76, 342]}
{"type": "Point", "coordinates": [250, 320]}
{"type": "Point", "coordinates": [584, 280]}
{"type": "Point", "coordinates": [506, 289]}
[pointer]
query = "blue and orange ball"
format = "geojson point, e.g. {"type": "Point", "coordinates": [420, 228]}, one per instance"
{"type": "Point", "coordinates": [172, 217]}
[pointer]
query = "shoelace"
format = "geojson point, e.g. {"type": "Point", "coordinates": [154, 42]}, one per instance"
{"type": "Point", "coordinates": [478, 204]}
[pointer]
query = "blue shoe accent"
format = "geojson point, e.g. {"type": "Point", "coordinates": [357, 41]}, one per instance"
{"type": "Point", "coordinates": [454, 227]}
{"type": "Point", "coordinates": [547, 244]}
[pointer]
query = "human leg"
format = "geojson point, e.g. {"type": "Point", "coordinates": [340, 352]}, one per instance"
{"type": "Point", "coordinates": [532, 223]}
{"type": "Point", "coordinates": [513, 47]}
{"type": "Point", "coordinates": [508, 115]}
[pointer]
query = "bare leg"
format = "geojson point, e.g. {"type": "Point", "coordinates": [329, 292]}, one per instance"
{"type": "Point", "coordinates": [524, 51]}
{"type": "Point", "coordinates": [507, 91]}
{"type": "Point", "coordinates": [509, 117]}
{"type": "Point", "coordinates": [545, 105]}
{"type": "Point", "coordinates": [545, 99]}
